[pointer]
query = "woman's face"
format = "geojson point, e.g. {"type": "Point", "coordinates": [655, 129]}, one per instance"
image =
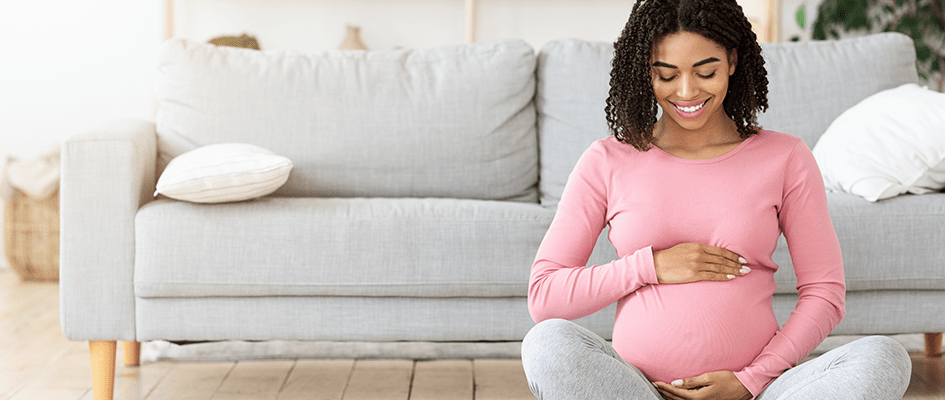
{"type": "Point", "coordinates": [690, 76]}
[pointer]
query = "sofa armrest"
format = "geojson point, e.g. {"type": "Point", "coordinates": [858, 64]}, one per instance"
{"type": "Point", "coordinates": [107, 174]}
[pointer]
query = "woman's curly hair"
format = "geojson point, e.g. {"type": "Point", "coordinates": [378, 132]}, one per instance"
{"type": "Point", "coordinates": [631, 105]}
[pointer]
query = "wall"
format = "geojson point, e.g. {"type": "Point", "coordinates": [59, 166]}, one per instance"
{"type": "Point", "coordinates": [309, 25]}
{"type": "Point", "coordinates": [67, 66]}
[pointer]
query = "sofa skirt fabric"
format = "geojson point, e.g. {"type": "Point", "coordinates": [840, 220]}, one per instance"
{"type": "Point", "coordinates": [243, 350]}
{"type": "Point", "coordinates": [394, 319]}
{"type": "Point", "coordinates": [343, 319]}
{"type": "Point", "coordinates": [337, 247]}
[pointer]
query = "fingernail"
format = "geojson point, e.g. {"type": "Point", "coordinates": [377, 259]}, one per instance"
{"type": "Point", "coordinates": [742, 260]}
{"type": "Point", "coordinates": [677, 382]}
{"type": "Point", "coordinates": [744, 270]}
{"type": "Point", "coordinates": [730, 276]}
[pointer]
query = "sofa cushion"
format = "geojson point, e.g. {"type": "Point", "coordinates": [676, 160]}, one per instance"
{"type": "Point", "coordinates": [573, 81]}
{"type": "Point", "coordinates": [895, 244]}
{"type": "Point", "coordinates": [891, 143]}
{"type": "Point", "coordinates": [810, 84]}
{"type": "Point", "coordinates": [223, 172]}
{"type": "Point", "coordinates": [453, 121]}
{"type": "Point", "coordinates": [337, 247]}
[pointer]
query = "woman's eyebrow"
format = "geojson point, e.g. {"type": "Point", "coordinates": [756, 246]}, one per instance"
{"type": "Point", "coordinates": [703, 62]}
{"type": "Point", "coordinates": [706, 61]}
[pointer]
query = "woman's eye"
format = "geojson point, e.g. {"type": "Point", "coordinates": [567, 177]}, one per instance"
{"type": "Point", "coordinates": [666, 79]}
{"type": "Point", "coordinates": [709, 76]}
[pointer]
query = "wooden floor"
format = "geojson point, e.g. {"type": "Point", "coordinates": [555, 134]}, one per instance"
{"type": "Point", "coordinates": [36, 362]}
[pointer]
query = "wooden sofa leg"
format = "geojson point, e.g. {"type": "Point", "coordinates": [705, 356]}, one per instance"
{"type": "Point", "coordinates": [933, 344]}
{"type": "Point", "coordinates": [132, 352]}
{"type": "Point", "coordinates": [102, 354]}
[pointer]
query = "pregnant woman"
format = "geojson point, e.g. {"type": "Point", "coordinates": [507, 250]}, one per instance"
{"type": "Point", "coordinates": [695, 201]}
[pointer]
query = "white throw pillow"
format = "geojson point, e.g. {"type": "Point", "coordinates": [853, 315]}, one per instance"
{"type": "Point", "coordinates": [891, 143]}
{"type": "Point", "coordinates": [221, 173]}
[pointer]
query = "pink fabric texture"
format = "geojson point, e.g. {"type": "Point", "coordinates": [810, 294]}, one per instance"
{"type": "Point", "coordinates": [742, 201]}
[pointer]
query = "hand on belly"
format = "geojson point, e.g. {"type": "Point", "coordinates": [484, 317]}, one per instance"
{"type": "Point", "coordinates": [693, 262]}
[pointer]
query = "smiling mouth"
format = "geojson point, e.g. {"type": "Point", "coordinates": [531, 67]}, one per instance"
{"type": "Point", "coordinates": [692, 109]}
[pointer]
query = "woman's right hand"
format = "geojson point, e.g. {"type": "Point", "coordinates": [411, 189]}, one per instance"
{"type": "Point", "coordinates": [692, 262]}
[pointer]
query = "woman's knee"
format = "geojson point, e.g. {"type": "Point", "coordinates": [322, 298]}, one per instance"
{"type": "Point", "coordinates": [886, 361]}
{"type": "Point", "coordinates": [541, 355]}
{"type": "Point", "coordinates": [885, 350]}
{"type": "Point", "coordinates": [544, 335]}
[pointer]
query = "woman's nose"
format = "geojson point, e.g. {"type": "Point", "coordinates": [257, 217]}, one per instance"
{"type": "Point", "coordinates": [687, 88]}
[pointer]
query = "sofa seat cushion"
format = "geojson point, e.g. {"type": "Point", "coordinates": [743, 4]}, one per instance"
{"type": "Point", "coordinates": [894, 244]}
{"type": "Point", "coordinates": [337, 247]}
{"type": "Point", "coordinates": [452, 121]}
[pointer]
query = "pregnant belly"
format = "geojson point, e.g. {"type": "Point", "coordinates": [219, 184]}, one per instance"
{"type": "Point", "coordinates": [679, 331]}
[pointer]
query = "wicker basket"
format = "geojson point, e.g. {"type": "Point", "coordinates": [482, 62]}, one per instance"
{"type": "Point", "coordinates": [32, 236]}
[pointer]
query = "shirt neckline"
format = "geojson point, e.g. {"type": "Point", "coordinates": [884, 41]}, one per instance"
{"type": "Point", "coordinates": [731, 153]}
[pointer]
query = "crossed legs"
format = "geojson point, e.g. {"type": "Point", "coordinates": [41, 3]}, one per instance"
{"type": "Point", "coordinates": [565, 361]}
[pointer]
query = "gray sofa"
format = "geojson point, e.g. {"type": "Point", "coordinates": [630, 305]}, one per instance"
{"type": "Point", "coordinates": [424, 181]}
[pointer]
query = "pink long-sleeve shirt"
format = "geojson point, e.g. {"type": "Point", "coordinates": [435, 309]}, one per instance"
{"type": "Point", "coordinates": [742, 201]}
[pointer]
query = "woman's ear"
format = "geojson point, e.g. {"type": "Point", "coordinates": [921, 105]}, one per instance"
{"type": "Point", "coordinates": [732, 61]}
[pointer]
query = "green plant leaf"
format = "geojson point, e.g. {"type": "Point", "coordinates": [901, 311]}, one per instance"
{"type": "Point", "coordinates": [801, 17]}
{"type": "Point", "coordinates": [854, 15]}
{"type": "Point", "coordinates": [910, 26]}
{"type": "Point", "coordinates": [922, 20]}
{"type": "Point", "coordinates": [922, 52]}
{"type": "Point", "coordinates": [848, 15]}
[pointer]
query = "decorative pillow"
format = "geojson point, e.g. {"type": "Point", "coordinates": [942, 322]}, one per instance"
{"type": "Point", "coordinates": [221, 173]}
{"type": "Point", "coordinates": [891, 143]}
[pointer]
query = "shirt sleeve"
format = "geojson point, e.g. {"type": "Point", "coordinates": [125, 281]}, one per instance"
{"type": "Point", "coordinates": [561, 285]}
{"type": "Point", "coordinates": [815, 254]}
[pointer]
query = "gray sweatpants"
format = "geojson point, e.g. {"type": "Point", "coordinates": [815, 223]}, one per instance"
{"type": "Point", "coordinates": [565, 361]}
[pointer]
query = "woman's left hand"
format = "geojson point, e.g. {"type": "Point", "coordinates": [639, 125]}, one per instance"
{"type": "Point", "coordinates": [721, 385]}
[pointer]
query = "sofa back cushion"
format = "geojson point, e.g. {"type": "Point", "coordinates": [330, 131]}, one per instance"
{"type": "Point", "coordinates": [573, 81]}
{"type": "Point", "coordinates": [810, 84]}
{"type": "Point", "coordinates": [454, 121]}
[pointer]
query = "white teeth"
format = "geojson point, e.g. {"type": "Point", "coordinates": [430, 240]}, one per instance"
{"type": "Point", "coordinates": [690, 109]}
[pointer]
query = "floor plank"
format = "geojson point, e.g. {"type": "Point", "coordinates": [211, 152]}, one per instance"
{"type": "Point", "coordinates": [255, 380]}
{"type": "Point", "coordinates": [501, 379]}
{"type": "Point", "coordinates": [137, 383]}
{"type": "Point", "coordinates": [72, 371]}
{"type": "Point", "coordinates": [35, 393]}
{"type": "Point", "coordinates": [443, 380]}
{"type": "Point", "coordinates": [928, 378]}
{"type": "Point", "coordinates": [317, 380]}
{"type": "Point", "coordinates": [30, 339]}
{"type": "Point", "coordinates": [380, 380]}
{"type": "Point", "coordinates": [191, 381]}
